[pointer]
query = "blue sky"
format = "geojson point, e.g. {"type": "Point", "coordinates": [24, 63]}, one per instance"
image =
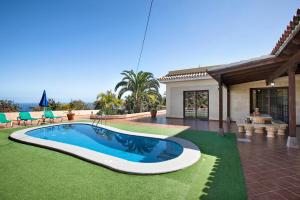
{"type": "Point", "coordinates": [77, 48]}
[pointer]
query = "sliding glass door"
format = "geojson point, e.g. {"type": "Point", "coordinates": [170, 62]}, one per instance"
{"type": "Point", "coordinates": [189, 104]}
{"type": "Point", "coordinates": [196, 104]}
{"type": "Point", "coordinates": [272, 101]}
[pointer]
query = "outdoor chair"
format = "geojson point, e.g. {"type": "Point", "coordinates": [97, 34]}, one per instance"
{"type": "Point", "coordinates": [25, 116]}
{"type": "Point", "coordinates": [3, 120]}
{"type": "Point", "coordinates": [48, 114]}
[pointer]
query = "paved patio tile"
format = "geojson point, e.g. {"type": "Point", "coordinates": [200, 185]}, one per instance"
{"type": "Point", "coordinates": [268, 196]}
{"type": "Point", "coordinates": [288, 194]}
{"type": "Point", "coordinates": [271, 170]}
{"type": "Point", "coordinates": [271, 184]}
{"type": "Point", "coordinates": [294, 189]}
{"type": "Point", "coordinates": [257, 188]}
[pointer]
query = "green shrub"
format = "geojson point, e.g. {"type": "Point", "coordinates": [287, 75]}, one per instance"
{"type": "Point", "coordinates": [8, 106]}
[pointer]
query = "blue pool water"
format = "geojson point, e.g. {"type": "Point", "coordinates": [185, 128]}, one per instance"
{"type": "Point", "coordinates": [128, 147]}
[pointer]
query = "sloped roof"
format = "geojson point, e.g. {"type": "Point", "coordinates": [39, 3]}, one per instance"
{"type": "Point", "coordinates": [190, 74]}
{"type": "Point", "coordinates": [292, 28]}
{"type": "Point", "coordinates": [242, 62]}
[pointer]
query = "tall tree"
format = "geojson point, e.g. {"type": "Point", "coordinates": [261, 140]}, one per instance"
{"type": "Point", "coordinates": [78, 105]}
{"type": "Point", "coordinates": [107, 102]}
{"type": "Point", "coordinates": [140, 84]}
{"type": "Point", "coordinates": [8, 106]}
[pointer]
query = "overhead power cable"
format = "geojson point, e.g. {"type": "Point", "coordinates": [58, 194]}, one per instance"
{"type": "Point", "coordinates": [145, 33]}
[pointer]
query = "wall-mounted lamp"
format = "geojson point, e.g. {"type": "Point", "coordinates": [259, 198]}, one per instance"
{"type": "Point", "coordinates": [272, 84]}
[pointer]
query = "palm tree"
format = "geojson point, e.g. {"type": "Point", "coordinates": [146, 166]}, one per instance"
{"type": "Point", "coordinates": [135, 144]}
{"type": "Point", "coordinates": [140, 84]}
{"type": "Point", "coordinates": [129, 104]}
{"type": "Point", "coordinates": [107, 102]}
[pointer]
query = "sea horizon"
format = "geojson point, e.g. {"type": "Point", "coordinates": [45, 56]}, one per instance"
{"type": "Point", "coordinates": [28, 106]}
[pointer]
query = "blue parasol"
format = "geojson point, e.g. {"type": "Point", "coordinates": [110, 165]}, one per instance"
{"type": "Point", "coordinates": [44, 100]}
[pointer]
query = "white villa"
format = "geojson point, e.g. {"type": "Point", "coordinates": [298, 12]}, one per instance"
{"type": "Point", "coordinates": [193, 93]}
{"type": "Point", "coordinates": [232, 92]}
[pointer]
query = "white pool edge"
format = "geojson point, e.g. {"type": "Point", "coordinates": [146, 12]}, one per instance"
{"type": "Point", "coordinates": [190, 155]}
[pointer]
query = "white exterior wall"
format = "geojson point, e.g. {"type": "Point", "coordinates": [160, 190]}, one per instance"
{"type": "Point", "coordinates": [240, 97]}
{"type": "Point", "coordinates": [175, 97]}
{"type": "Point", "coordinates": [239, 101]}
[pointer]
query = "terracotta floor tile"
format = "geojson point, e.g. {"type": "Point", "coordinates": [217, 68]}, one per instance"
{"type": "Point", "coordinates": [287, 194]}
{"type": "Point", "coordinates": [297, 177]}
{"type": "Point", "coordinates": [271, 184]}
{"type": "Point", "coordinates": [271, 170]}
{"type": "Point", "coordinates": [290, 180]}
{"type": "Point", "coordinates": [269, 196]}
{"type": "Point", "coordinates": [295, 190]}
{"type": "Point", "coordinates": [257, 188]}
{"type": "Point", "coordinates": [289, 172]}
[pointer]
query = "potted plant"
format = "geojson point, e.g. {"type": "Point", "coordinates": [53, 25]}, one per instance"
{"type": "Point", "coordinates": [70, 113]}
{"type": "Point", "coordinates": [153, 103]}
{"type": "Point", "coordinates": [153, 112]}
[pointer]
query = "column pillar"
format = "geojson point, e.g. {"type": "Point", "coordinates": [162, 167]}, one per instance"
{"type": "Point", "coordinates": [228, 105]}
{"type": "Point", "coordinates": [292, 140]}
{"type": "Point", "coordinates": [221, 130]}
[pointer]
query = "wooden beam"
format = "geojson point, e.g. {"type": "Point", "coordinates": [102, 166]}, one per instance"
{"type": "Point", "coordinates": [292, 141]}
{"type": "Point", "coordinates": [276, 74]}
{"type": "Point", "coordinates": [244, 79]}
{"type": "Point", "coordinates": [287, 52]}
{"type": "Point", "coordinates": [296, 41]}
{"type": "Point", "coordinates": [221, 130]}
{"type": "Point", "coordinates": [281, 70]}
{"type": "Point", "coordinates": [248, 65]}
{"type": "Point", "coordinates": [228, 104]}
{"type": "Point", "coordinates": [255, 71]}
{"type": "Point", "coordinates": [292, 102]}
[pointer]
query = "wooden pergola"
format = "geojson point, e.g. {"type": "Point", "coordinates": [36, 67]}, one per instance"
{"type": "Point", "coordinates": [283, 61]}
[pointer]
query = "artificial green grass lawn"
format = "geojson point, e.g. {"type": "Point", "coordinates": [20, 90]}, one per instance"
{"type": "Point", "coordinates": [28, 172]}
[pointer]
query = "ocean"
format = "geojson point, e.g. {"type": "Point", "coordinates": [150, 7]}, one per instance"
{"type": "Point", "coordinates": [26, 107]}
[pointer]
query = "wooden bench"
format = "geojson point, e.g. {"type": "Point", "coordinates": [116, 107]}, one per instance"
{"type": "Point", "coordinates": [271, 129]}
{"type": "Point", "coordinates": [242, 127]}
{"type": "Point", "coordinates": [281, 126]}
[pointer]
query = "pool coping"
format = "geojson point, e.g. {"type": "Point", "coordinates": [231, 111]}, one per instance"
{"type": "Point", "coordinates": [190, 155]}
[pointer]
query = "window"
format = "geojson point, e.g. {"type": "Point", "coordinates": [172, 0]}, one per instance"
{"type": "Point", "coordinates": [196, 104]}
{"type": "Point", "coordinates": [272, 101]}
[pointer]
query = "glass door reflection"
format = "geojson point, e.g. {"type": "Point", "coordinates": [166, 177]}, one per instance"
{"type": "Point", "coordinates": [196, 104]}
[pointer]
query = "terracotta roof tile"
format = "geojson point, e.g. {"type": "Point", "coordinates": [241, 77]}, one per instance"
{"type": "Point", "coordinates": [183, 76]}
{"type": "Point", "coordinates": [286, 34]}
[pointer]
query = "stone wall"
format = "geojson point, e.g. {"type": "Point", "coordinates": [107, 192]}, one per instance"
{"type": "Point", "coordinates": [87, 113]}
{"type": "Point", "coordinates": [38, 114]}
{"type": "Point", "coordinates": [126, 116]}
{"type": "Point", "coordinates": [240, 96]}
{"type": "Point", "coordinates": [175, 97]}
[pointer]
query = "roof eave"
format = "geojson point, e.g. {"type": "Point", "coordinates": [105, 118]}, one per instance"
{"type": "Point", "coordinates": [287, 41]}
{"type": "Point", "coordinates": [184, 79]}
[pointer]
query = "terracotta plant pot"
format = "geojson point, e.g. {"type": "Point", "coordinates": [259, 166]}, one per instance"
{"type": "Point", "coordinates": [153, 113]}
{"type": "Point", "coordinates": [70, 116]}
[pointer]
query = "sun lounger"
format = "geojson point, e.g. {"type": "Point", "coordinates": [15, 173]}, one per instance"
{"type": "Point", "coordinates": [3, 120]}
{"type": "Point", "coordinates": [25, 116]}
{"type": "Point", "coordinates": [48, 114]}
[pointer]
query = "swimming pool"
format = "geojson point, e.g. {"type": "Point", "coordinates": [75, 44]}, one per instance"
{"type": "Point", "coordinates": [129, 147]}
{"type": "Point", "coordinates": [117, 149]}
